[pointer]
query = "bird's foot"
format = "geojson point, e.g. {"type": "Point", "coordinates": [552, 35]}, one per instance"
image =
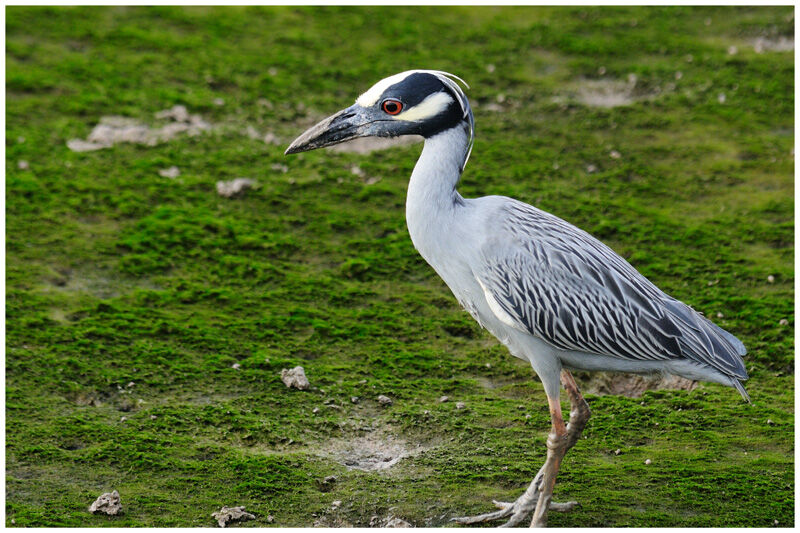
{"type": "Point", "coordinates": [517, 510]}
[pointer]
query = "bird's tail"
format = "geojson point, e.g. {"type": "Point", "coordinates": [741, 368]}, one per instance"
{"type": "Point", "coordinates": [738, 384]}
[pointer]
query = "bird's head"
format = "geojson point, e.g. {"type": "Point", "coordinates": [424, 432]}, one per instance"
{"type": "Point", "coordinates": [415, 102]}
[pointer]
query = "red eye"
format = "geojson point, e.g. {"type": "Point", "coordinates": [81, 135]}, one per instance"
{"type": "Point", "coordinates": [392, 107]}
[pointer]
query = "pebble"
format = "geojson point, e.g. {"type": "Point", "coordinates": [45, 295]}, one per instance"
{"type": "Point", "coordinates": [153, 417]}
{"type": "Point", "coordinates": [171, 172]}
{"type": "Point", "coordinates": [721, 98]}
{"type": "Point", "coordinates": [354, 399]}
{"type": "Point", "coordinates": [23, 165]}
{"type": "Point", "coordinates": [601, 71]}
{"type": "Point", "coordinates": [384, 400]}
{"type": "Point", "coordinates": [335, 504]}
{"type": "Point", "coordinates": [771, 278]}
{"type": "Point", "coordinates": [123, 419]}
{"type": "Point", "coordinates": [783, 322]}
{"type": "Point", "coordinates": [720, 315]}
{"type": "Point", "coordinates": [315, 410]}
{"type": "Point", "coordinates": [295, 377]}
{"type": "Point", "coordinates": [613, 154]}
{"type": "Point", "coordinates": [591, 168]}
{"type": "Point", "coordinates": [490, 68]}
{"type": "Point", "coordinates": [770, 422]}
{"type": "Point", "coordinates": [236, 366]}
{"type": "Point", "coordinates": [460, 405]}
{"type": "Point", "coordinates": [648, 461]}
{"type": "Point", "coordinates": [219, 102]}
{"type": "Point", "coordinates": [270, 518]}
{"type": "Point", "coordinates": [617, 451]}
{"type": "Point", "coordinates": [444, 399]}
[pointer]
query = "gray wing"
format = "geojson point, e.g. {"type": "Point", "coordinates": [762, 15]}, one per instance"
{"type": "Point", "coordinates": [562, 285]}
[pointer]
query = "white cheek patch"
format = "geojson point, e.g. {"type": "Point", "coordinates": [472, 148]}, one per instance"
{"type": "Point", "coordinates": [371, 96]}
{"type": "Point", "coordinates": [430, 107]}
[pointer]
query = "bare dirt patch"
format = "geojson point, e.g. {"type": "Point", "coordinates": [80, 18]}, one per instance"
{"type": "Point", "coordinates": [630, 385]}
{"type": "Point", "coordinates": [113, 130]}
{"type": "Point", "coordinates": [374, 451]}
{"type": "Point", "coordinates": [780, 44]}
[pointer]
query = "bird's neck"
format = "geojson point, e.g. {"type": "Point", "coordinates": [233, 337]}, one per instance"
{"type": "Point", "coordinates": [432, 188]}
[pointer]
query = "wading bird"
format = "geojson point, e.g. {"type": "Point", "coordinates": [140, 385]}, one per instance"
{"type": "Point", "coordinates": [550, 292]}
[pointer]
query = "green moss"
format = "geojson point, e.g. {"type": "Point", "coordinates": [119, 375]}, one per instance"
{"type": "Point", "coordinates": [116, 275]}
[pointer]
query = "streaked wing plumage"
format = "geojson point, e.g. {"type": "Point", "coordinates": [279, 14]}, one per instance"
{"type": "Point", "coordinates": [562, 285]}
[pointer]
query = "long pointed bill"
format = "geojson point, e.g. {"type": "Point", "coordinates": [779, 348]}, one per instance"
{"type": "Point", "coordinates": [343, 126]}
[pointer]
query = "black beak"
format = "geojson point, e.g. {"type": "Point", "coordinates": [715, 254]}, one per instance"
{"type": "Point", "coordinates": [343, 126]}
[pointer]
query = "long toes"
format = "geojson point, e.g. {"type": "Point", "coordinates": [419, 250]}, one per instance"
{"type": "Point", "coordinates": [483, 517]}
{"type": "Point", "coordinates": [563, 507]}
{"type": "Point", "coordinates": [502, 505]}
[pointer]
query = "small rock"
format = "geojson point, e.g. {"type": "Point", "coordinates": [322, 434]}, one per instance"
{"type": "Point", "coordinates": [123, 419]}
{"type": "Point", "coordinates": [107, 503]}
{"type": "Point", "coordinates": [720, 315]}
{"type": "Point", "coordinates": [775, 522]}
{"type": "Point", "coordinates": [732, 50]}
{"type": "Point", "coordinates": [279, 168]}
{"type": "Point", "coordinates": [131, 384]}
{"type": "Point", "coordinates": [384, 400]}
{"type": "Point", "coordinates": [153, 417]}
{"type": "Point", "coordinates": [394, 521]}
{"type": "Point", "coordinates": [721, 98]}
{"type": "Point", "coordinates": [272, 71]}
{"type": "Point", "coordinates": [678, 75]}
{"type": "Point", "coordinates": [648, 461]}
{"type": "Point", "coordinates": [613, 154]}
{"type": "Point", "coordinates": [488, 365]}
{"type": "Point", "coordinates": [315, 410]}
{"type": "Point", "coordinates": [601, 71]}
{"type": "Point", "coordinates": [271, 138]}
{"type": "Point", "coordinates": [20, 140]}
{"type": "Point", "coordinates": [229, 189]}
{"type": "Point", "coordinates": [527, 417]}
{"type": "Point", "coordinates": [23, 165]}
{"type": "Point", "coordinates": [617, 451]}
{"type": "Point", "coordinates": [426, 412]}
{"type": "Point", "coordinates": [270, 518]}
{"type": "Point", "coordinates": [227, 515]}
{"type": "Point", "coordinates": [444, 399]}
{"type": "Point", "coordinates": [354, 399]}
{"type": "Point", "coordinates": [770, 422]}
{"type": "Point", "coordinates": [372, 180]}
{"type": "Point", "coordinates": [591, 168]}
{"type": "Point", "coordinates": [336, 504]}
{"type": "Point", "coordinates": [500, 98]}
{"type": "Point", "coordinates": [236, 366]}
{"type": "Point", "coordinates": [771, 278]}
{"type": "Point", "coordinates": [171, 172]}
{"type": "Point", "coordinates": [460, 405]}
{"type": "Point", "coordinates": [219, 102]}
{"type": "Point", "coordinates": [783, 322]}
{"type": "Point", "coordinates": [490, 68]}
{"type": "Point", "coordinates": [295, 377]}
{"type": "Point", "coordinates": [355, 169]}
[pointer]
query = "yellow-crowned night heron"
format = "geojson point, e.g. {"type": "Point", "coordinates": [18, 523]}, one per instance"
{"type": "Point", "coordinates": [553, 294]}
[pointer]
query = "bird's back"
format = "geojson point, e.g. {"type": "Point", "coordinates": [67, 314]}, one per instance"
{"type": "Point", "coordinates": [567, 288]}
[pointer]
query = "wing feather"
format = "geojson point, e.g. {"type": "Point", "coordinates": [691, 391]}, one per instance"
{"type": "Point", "coordinates": [562, 285]}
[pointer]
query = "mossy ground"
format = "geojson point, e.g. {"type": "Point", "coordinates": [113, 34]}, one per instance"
{"type": "Point", "coordinates": [115, 274]}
